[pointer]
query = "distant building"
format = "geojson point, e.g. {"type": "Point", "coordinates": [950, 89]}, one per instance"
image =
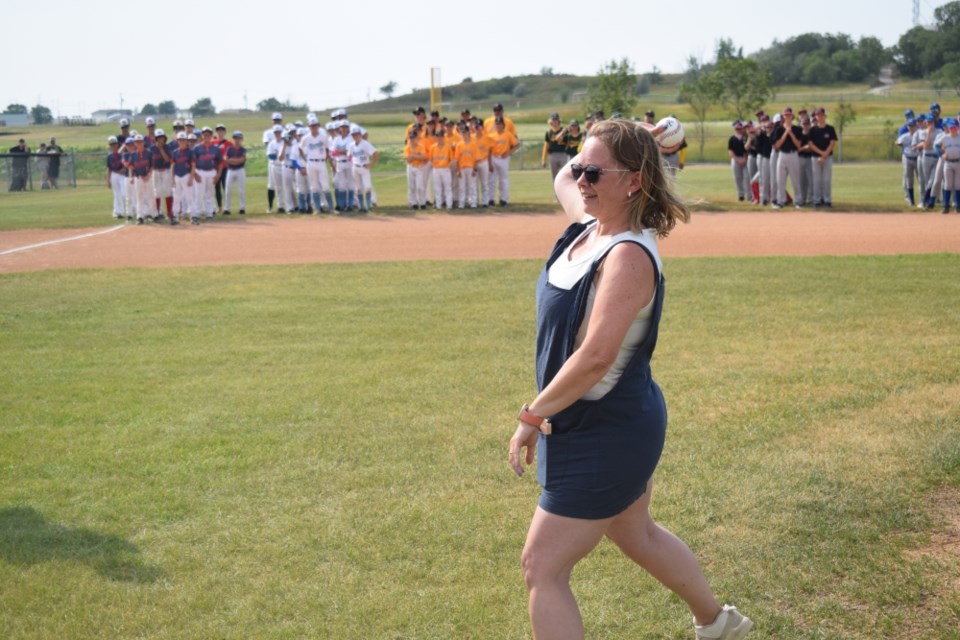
{"type": "Point", "coordinates": [111, 115]}
{"type": "Point", "coordinates": [14, 119]}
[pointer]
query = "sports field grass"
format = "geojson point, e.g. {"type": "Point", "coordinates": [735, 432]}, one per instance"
{"type": "Point", "coordinates": [856, 187]}
{"type": "Point", "coordinates": [320, 451]}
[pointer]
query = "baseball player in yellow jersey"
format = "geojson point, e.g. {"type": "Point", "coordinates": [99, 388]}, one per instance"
{"type": "Point", "coordinates": [504, 144]}
{"type": "Point", "coordinates": [573, 140]}
{"type": "Point", "coordinates": [465, 157]}
{"type": "Point", "coordinates": [489, 123]}
{"type": "Point", "coordinates": [415, 155]}
{"type": "Point", "coordinates": [441, 156]}
{"type": "Point", "coordinates": [484, 168]}
{"type": "Point", "coordinates": [453, 139]}
{"type": "Point", "coordinates": [420, 115]}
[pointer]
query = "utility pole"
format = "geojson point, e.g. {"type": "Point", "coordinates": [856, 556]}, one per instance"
{"type": "Point", "coordinates": [916, 12]}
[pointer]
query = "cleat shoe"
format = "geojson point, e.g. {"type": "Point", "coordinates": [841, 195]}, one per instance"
{"type": "Point", "coordinates": [226, 212]}
{"type": "Point", "coordinates": [243, 212]}
{"type": "Point", "coordinates": [729, 625]}
{"type": "Point", "coordinates": [139, 220]}
{"type": "Point", "coordinates": [174, 222]}
{"type": "Point", "coordinates": [194, 220]}
{"type": "Point", "coordinates": [776, 205]}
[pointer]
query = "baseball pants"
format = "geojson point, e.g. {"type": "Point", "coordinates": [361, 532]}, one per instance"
{"type": "Point", "coordinates": [766, 192]}
{"type": "Point", "coordinates": [805, 192]}
{"type": "Point", "coordinates": [822, 180]}
{"type": "Point", "coordinates": [468, 188]}
{"type": "Point", "coordinates": [443, 187]}
{"type": "Point", "coordinates": [183, 198]}
{"type": "Point", "coordinates": [416, 189]}
{"type": "Point", "coordinates": [788, 164]}
{"type": "Point", "coordinates": [343, 185]}
{"type": "Point", "coordinates": [287, 196]}
{"type": "Point", "coordinates": [483, 183]}
{"type": "Point", "coordinates": [500, 178]}
{"type": "Point", "coordinates": [362, 185]}
{"type": "Point", "coordinates": [205, 202]}
{"type": "Point", "coordinates": [558, 160]}
{"type": "Point", "coordinates": [236, 183]}
{"type": "Point", "coordinates": [909, 172]}
{"type": "Point", "coordinates": [144, 194]}
{"type": "Point", "coordinates": [741, 177]}
{"type": "Point", "coordinates": [118, 185]}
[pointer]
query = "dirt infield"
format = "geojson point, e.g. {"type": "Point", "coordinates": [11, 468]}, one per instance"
{"type": "Point", "coordinates": [290, 240]}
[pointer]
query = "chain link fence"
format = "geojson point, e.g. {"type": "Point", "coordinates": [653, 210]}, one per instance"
{"type": "Point", "coordinates": [30, 171]}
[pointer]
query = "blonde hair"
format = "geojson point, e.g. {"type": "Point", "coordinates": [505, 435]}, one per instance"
{"type": "Point", "coordinates": [655, 205]}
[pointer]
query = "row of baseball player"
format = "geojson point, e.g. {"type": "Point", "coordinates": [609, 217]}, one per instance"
{"type": "Point", "coordinates": [301, 159]}
{"type": "Point", "coordinates": [930, 154]}
{"type": "Point", "coordinates": [188, 174]}
{"type": "Point", "coordinates": [462, 162]}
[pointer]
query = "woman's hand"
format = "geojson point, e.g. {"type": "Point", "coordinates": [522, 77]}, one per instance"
{"type": "Point", "coordinates": [525, 436]}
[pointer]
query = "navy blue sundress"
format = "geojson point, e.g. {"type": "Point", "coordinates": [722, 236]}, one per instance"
{"type": "Point", "coordinates": [601, 453]}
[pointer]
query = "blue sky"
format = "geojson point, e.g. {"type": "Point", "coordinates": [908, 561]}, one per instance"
{"type": "Point", "coordinates": [79, 56]}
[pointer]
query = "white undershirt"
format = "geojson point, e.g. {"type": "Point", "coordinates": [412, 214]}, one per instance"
{"type": "Point", "coordinates": [565, 272]}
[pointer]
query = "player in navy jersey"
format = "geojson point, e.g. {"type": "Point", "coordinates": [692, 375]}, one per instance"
{"type": "Point", "coordinates": [208, 161]}
{"type": "Point", "coordinates": [183, 172]}
{"type": "Point", "coordinates": [162, 176]}
{"type": "Point", "coordinates": [139, 169]}
{"type": "Point", "coordinates": [236, 160]}
{"type": "Point", "coordinates": [117, 178]}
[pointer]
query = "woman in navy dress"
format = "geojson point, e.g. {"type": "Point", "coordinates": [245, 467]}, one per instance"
{"type": "Point", "coordinates": [597, 424]}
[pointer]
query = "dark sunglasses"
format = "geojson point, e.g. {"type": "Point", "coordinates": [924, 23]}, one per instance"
{"type": "Point", "coordinates": [591, 172]}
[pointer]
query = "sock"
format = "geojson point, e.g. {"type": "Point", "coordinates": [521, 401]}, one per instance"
{"type": "Point", "coordinates": [270, 195]}
{"type": "Point", "coordinates": [169, 202]}
{"type": "Point", "coordinates": [910, 195]}
{"type": "Point", "coordinates": [326, 194]}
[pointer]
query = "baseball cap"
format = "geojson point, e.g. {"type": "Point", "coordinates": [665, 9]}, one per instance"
{"type": "Point", "coordinates": [159, 133]}
{"type": "Point", "coordinates": [188, 122]}
{"type": "Point", "coordinates": [313, 122]}
{"type": "Point", "coordinates": [788, 110]}
{"type": "Point", "coordinates": [952, 123]}
{"type": "Point", "coordinates": [302, 131]}
{"type": "Point", "coordinates": [344, 123]}
{"type": "Point", "coordinates": [737, 124]}
{"type": "Point", "coordinates": [498, 107]}
{"type": "Point", "coordinates": [278, 127]}
{"type": "Point", "coordinates": [554, 116]}
{"type": "Point", "coordinates": [124, 122]}
{"type": "Point", "coordinates": [129, 140]}
{"type": "Point", "coordinates": [178, 124]}
{"type": "Point", "coordinates": [138, 138]}
{"type": "Point", "coordinates": [150, 121]}
{"type": "Point", "coordinates": [278, 116]}
{"type": "Point", "coordinates": [574, 123]}
{"type": "Point", "coordinates": [777, 118]}
{"type": "Point", "coordinates": [181, 136]}
{"type": "Point", "coordinates": [221, 126]}
{"type": "Point", "coordinates": [355, 129]}
{"type": "Point", "coordinates": [206, 130]}
{"type": "Point", "coordinates": [298, 124]}
{"type": "Point", "coordinates": [912, 122]}
{"type": "Point", "coordinates": [465, 112]}
{"type": "Point", "coordinates": [435, 113]}
{"type": "Point", "coordinates": [237, 134]}
{"type": "Point", "coordinates": [331, 125]}
{"type": "Point", "coordinates": [191, 136]}
{"type": "Point", "coordinates": [934, 106]}
{"type": "Point", "coordinates": [112, 140]}
{"type": "Point", "coordinates": [419, 110]}
{"type": "Point", "coordinates": [922, 117]}
{"type": "Point", "coordinates": [908, 112]}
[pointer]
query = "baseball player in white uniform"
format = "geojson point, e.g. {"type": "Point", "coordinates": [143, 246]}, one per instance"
{"type": "Point", "coordinates": [289, 159]}
{"type": "Point", "coordinates": [269, 137]}
{"type": "Point", "coordinates": [314, 147]}
{"type": "Point", "coordinates": [363, 156]}
{"type": "Point", "coordinates": [343, 186]}
{"type": "Point", "coordinates": [274, 167]}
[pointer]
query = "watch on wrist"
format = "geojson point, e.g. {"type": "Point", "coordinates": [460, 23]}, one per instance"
{"type": "Point", "coordinates": [527, 417]}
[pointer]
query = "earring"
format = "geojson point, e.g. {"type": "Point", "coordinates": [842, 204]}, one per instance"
{"type": "Point", "coordinates": [629, 193]}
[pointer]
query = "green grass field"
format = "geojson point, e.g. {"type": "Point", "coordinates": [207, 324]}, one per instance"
{"type": "Point", "coordinates": [857, 187]}
{"type": "Point", "coordinates": [319, 451]}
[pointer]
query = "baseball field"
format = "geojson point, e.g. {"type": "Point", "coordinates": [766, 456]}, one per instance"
{"type": "Point", "coordinates": [285, 427]}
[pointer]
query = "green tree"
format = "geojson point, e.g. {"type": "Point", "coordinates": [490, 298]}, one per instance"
{"type": "Point", "coordinates": [615, 88]}
{"type": "Point", "coordinates": [149, 109]}
{"type": "Point", "coordinates": [948, 76]}
{"type": "Point", "coordinates": [167, 108]}
{"type": "Point", "coordinates": [745, 86]}
{"type": "Point", "coordinates": [41, 115]}
{"type": "Point", "coordinates": [16, 108]}
{"type": "Point", "coordinates": [203, 107]}
{"type": "Point", "coordinates": [388, 89]}
{"type": "Point", "coordinates": [844, 115]}
{"type": "Point", "coordinates": [702, 91]}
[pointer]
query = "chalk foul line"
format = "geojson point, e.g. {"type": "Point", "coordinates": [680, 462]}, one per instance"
{"type": "Point", "coordinates": [59, 240]}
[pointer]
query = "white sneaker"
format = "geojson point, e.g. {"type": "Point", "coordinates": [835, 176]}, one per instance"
{"type": "Point", "coordinates": [729, 625]}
